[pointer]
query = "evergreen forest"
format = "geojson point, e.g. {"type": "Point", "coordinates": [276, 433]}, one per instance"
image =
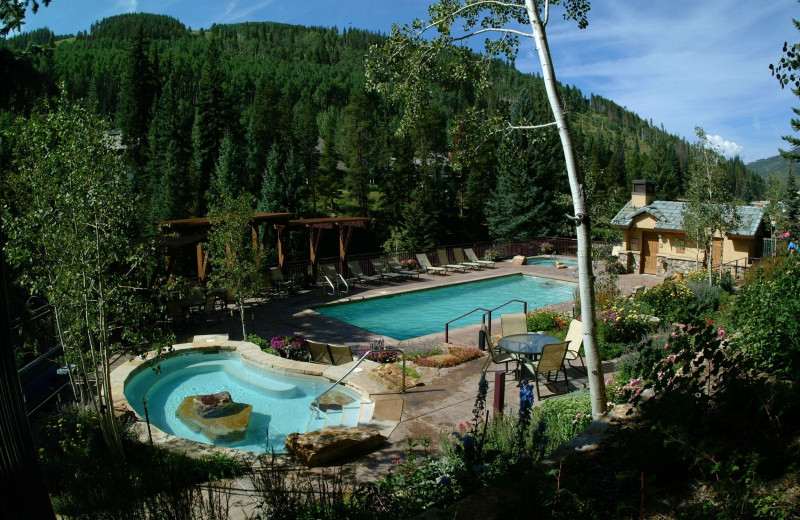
{"type": "Point", "coordinates": [281, 112]}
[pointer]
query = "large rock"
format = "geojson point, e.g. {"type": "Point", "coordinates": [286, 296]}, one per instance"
{"type": "Point", "coordinates": [226, 423]}
{"type": "Point", "coordinates": [519, 260]}
{"type": "Point", "coordinates": [212, 405]}
{"type": "Point", "coordinates": [328, 445]}
{"type": "Point", "coordinates": [391, 376]}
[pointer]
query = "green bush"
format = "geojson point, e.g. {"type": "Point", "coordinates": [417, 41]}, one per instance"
{"type": "Point", "coordinates": [669, 300]}
{"type": "Point", "coordinates": [546, 320]}
{"type": "Point", "coordinates": [766, 316]}
{"type": "Point", "coordinates": [564, 416]}
{"type": "Point", "coordinates": [262, 343]}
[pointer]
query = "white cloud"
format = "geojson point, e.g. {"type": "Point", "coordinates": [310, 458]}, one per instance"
{"type": "Point", "coordinates": [127, 6]}
{"type": "Point", "coordinates": [726, 148]}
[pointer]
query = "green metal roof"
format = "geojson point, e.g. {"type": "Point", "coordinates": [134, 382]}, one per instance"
{"type": "Point", "coordinates": [669, 217]}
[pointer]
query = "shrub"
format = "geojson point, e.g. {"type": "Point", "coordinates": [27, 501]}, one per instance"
{"type": "Point", "coordinates": [725, 281]}
{"type": "Point", "coordinates": [707, 300]}
{"type": "Point", "coordinates": [410, 264]}
{"type": "Point", "coordinates": [544, 319]}
{"type": "Point", "coordinates": [766, 315]}
{"type": "Point", "coordinates": [565, 417]}
{"type": "Point", "coordinates": [291, 346]}
{"type": "Point", "coordinates": [380, 354]}
{"type": "Point", "coordinates": [546, 248]}
{"type": "Point", "coordinates": [624, 322]}
{"type": "Point", "coordinates": [616, 267]}
{"type": "Point", "coordinates": [669, 300]}
{"type": "Point", "coordinates": [262, 344]}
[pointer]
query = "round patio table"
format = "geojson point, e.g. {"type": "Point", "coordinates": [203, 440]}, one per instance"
{"type": "Point", "coordinates": [529, 345]}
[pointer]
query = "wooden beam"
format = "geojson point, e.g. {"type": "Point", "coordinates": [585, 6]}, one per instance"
{"type": "Point", "coordinates": [345, 233]}
{"type": "Point", "coordinates": [280, 228]}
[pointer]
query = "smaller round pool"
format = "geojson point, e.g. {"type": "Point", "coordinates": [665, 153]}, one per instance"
{"type": "Point", "coordinates": [281, 402]}
{"type": "Point", "coordinates": [549, 260]}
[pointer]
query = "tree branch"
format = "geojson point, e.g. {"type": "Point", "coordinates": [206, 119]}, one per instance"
{"type": "Point", "coordinates": [494, 29]}
{"type": "Point", "coordinates": [530, 127]}
{"type": "Point", "coordinates": [455, 14]}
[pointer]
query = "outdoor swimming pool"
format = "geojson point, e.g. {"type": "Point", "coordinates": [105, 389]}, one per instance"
{"type": "Point", "coordinates": [418, 313]}
{"type": "Point", "coordinates": [280, 401]}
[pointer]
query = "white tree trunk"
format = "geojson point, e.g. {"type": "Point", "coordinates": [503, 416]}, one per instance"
{"type": "Point", "coordinates": [586, 275]}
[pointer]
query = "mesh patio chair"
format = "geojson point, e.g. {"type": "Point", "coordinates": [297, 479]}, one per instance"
{"type": "Point", "coordinates": [550, 360]}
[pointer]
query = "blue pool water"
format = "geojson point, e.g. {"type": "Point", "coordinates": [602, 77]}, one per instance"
{"type": "Point", "coordinates": [417, 313]}
{"type": "Point", "coordinates": [548, 260]}
{"type": "Point", "coordinates": [280, 402]}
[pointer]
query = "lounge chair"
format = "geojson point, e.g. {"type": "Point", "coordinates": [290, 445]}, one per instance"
{"type": "Point", "coordinates": [397, 267]}
{"type": "Point", "coordinates": [381, 271]}
{"type": "Point", "coordinates": [516, 323]}
{"type": "Point", "coordinates": [340, 354]}
{"type": "Point", "coordinates": [458, 253]}
{"type": "Point", "coordinates": [575, 339]}
{"type": "Point", "coordinates": [551, 359]}
{"type": "Point", "coordinates": [355, 268]}
{"type": "Point", "coordinates": [319, 353]}
{"type": "Point", "coordinates": [444, 261]}
{"type": "Point", "coordinates": [422, 258]}
{"type": "Point", "coordinates": [210, 306]}
{"type": "Point", "coordinates": [474, 258]}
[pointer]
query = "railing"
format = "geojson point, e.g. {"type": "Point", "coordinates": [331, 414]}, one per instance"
{"type": "Point", "coordinates": [487, 313]}
{"type": "Point", "coordinates": [315, 403]}
{"type": "Point", "coordinates": [447, 325]}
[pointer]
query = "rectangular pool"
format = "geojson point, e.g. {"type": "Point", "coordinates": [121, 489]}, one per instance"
{"type": "Point", "coordinates": [418, 313]}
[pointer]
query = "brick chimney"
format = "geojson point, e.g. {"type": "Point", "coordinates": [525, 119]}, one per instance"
{"type": "Point", "coordinates": [644, 192]}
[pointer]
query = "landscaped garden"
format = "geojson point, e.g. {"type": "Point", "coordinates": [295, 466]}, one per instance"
{"type": "Point", "coordinates": [707, 421]}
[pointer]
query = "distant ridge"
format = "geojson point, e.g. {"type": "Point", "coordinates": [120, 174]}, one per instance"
{"type": "Point", "coordinates": [775, 164]}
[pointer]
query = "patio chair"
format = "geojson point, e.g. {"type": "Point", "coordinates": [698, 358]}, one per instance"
{"type": "Point", "coordinates": [397, 267]}
{"type": "Point", "coordinates": [458, 254]}
{"type": "Point", "coordinates": [496, 355]}
{"type": "Point", "coordinates": [575, 339]}
{"type": "Point", "coordinates": [209, 306]}
{"type": "Point", "coordinates": [319, 353]}
{"type": "Point", "coordinates": [516, 323]}
{"type": "Point", "coordinates": [355, 268]}
{"type": "Point", "coordinates": [340, 355]}
{"type": "Point", "coordinates": [382, 272]}
{"type": "Point", "coordinates": [444, 261]}
{"type": "Point", "coordinates": [551, 360]}
{"type": "Point", "coordinates": [474, 258]}
{"type": "Point", "coordinates": [422, 258]}
{"type": "Point", "coordinates": [175, 312]}
{"type": "Point", "coordinates": [280, 281]}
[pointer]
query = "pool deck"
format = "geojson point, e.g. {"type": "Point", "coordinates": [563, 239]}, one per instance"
{"type": "Point", "coordinates": [424, 412]}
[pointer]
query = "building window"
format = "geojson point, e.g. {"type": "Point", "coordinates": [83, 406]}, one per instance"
{"type": "Point", "coordinates": [680, 246]}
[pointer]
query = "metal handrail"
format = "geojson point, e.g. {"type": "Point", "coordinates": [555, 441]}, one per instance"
{"type": "Point", "coordinates": [315, 402]}
{"type": "Point", "coordinates": [447, 325]}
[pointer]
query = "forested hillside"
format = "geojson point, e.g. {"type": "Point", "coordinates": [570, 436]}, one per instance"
{"type": "Point", "coordinates": [281, 112]}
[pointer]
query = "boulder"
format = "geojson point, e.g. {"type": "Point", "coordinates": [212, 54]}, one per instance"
{"type": "Point", "coordinates": [328, 445]}
{"type": "Point", "coordinates": [519, 260]}
{"type": "Point", "coordinates": [334, 400]}
{"type": "Point", "coordinates": [560, 265]}
{"type": "Point", "coordinates": [391, 376]}
{"type": "Point", "coordinates": [212, 405]}
{"type": "Point", "coordinates": [227, 423]}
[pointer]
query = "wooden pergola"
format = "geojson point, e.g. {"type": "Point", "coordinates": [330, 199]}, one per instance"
{"type": "Point", "coordinates": [193, 231]}
{"type": "Point", "coordinates": [317, 225]}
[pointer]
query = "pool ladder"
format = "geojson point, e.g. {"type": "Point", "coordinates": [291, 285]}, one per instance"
{"type": "Point", "coordinates": [315, 405]}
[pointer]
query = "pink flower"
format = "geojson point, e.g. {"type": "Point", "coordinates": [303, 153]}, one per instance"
{"type": "Point", "coordinates": [609, 381]}
{"type": "Point", "coordinates": [398, 460]}
{"type": "Point", "coordinates": [666, 345]}
{"type": "Point", "coordinates": [720, 333]}
{"type": "Point", "coordinates": [672, 358]}
{"type": "Point", "coordinates": [785, 234]}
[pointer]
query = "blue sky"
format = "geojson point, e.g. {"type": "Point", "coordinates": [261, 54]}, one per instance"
{"type": "Point", "coordinates": [680, 63]}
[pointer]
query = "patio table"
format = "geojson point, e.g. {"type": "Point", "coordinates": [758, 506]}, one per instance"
{"type": "Point", "coordinates": [528, 345]}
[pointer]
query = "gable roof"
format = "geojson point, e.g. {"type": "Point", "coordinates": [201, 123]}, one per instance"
{"type": "Point", "coordinates": [669, 217]}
